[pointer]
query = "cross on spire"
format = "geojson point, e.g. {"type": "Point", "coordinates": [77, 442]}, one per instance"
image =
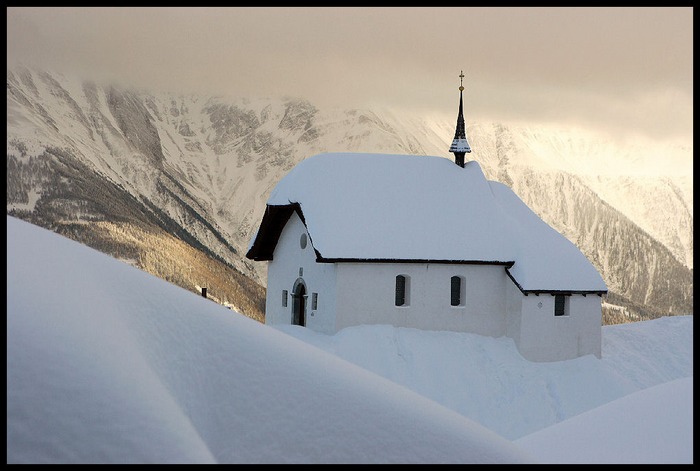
{"type": "Point", "coordinates": [460, 145]}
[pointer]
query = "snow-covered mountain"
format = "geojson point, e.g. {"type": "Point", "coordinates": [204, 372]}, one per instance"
{"type": "Point", "coordinates": [201, 168]}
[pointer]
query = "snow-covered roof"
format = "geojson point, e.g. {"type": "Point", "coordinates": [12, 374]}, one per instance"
{"type": "Point", "coordinates": [386, 207]}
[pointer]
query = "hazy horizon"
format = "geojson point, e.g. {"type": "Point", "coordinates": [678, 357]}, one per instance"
{"type": "Point", "coordinates": [622, 71]}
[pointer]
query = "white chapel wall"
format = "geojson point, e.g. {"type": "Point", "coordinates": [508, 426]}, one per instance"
{"type": "Point", "coordinates": [590, 338]}
{"type": "Point", "coordinates": [366, 295]}
{"type": "Point", "coordinates": [546, 337]}
{"type": "Point", "coordinates": [283, 271]}
{"type": "Point", "coordinates": [514, 305]}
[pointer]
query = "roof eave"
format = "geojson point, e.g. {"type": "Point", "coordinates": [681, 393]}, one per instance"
{"type": "Point", "coordinates": [322, 259]}
{"type": "Point", "coordinates": [537, 292]}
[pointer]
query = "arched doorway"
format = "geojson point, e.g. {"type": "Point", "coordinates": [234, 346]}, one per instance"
{"type": "Point", "coordinates": [299, 303]}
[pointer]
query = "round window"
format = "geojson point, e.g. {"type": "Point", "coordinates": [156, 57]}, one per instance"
{"type": "Point", "coordinates": [302, 241]}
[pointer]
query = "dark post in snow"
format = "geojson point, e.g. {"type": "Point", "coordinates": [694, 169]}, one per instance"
{"type": "Point", "coordinates": [460, 145]}
{"type": "Point", "coordinates": [204, 292]}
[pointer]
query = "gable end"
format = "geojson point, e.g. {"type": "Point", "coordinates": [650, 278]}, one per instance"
{"type": "Point", "coordinates": [273, 221]}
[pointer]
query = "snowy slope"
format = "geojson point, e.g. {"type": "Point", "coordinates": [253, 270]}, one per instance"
{"type": "Point", "coordinates": [650, 418]}
{"type": "Point", "coordinates": [107, 364]}
{"type": "Point", "coordinates": [486, 379]}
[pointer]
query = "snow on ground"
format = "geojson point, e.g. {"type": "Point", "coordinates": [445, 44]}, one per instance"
{"type": "Point", "coordinates": [651, 419]}
{"type": "Point", "coordinates": [107, 364]}
{"type": "Point", "coordinates": [488, 381]}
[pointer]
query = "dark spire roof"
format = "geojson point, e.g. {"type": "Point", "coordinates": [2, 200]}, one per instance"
{"type": "Point", "coordinates": [460, 144]}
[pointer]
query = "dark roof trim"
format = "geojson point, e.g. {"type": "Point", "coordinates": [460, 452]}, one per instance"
{"type": "Point", "coordinates": [551, 291]}
{"type": "Point", "coordinates": [321, 259]}
{"type": "Point", "coordinates": [273, 221]}
{"type": "Point", "coordinates": [537, 292]}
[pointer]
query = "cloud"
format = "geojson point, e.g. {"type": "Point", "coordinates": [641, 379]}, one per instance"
{"type": "Point", "coordinates": [602, 67]}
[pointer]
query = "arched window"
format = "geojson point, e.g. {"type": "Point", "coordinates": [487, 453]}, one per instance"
{"type": "Point", "coordinates": [402, 290]}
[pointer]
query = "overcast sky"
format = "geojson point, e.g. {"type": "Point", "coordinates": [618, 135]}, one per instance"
{"type": "Point", "coordinates": [626, 70]}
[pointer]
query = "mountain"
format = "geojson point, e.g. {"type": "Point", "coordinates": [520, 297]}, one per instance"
{"type": "Point", "coordinates": [131, 172]}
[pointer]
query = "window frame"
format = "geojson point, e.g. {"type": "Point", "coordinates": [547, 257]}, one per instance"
{"type": "Point", "coordinates": [461, 286]}
{"type": "Point", "coordinates": [402, 289]}
{"type": "Point", "coordinates": [561, 305]}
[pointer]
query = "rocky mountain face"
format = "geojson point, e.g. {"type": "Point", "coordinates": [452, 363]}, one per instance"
{"type": "Point", "coordinates": [126, 170]}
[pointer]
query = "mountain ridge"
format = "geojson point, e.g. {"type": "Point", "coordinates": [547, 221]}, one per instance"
{"type": "Point", "coordinates": [202, 167]}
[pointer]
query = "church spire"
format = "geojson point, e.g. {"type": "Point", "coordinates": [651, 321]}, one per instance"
{"type": "Point", "coordinates": [460, 145]}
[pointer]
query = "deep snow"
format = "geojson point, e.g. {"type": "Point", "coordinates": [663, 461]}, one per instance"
{"type": "Point", "coordinates": [108, 364]}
